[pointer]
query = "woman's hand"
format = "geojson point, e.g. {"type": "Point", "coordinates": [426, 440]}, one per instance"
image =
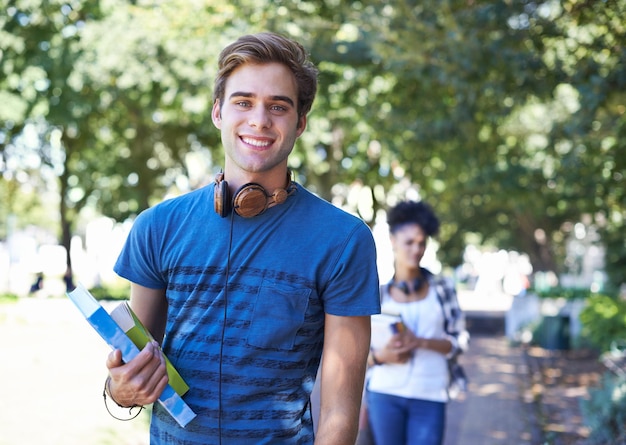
{"type": "Point", "coordinates": [399, 349]}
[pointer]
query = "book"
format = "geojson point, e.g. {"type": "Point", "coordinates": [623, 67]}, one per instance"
{"type": "Point", "coordinates": [136, 331]}
{"type": "Point", "coordinates": [384, 326]}
{"type": "Point", "coordinates": [110, 331]}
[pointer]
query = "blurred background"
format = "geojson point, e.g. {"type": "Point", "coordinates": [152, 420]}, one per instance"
{"type": "Point", "coordinates": [508, 117]}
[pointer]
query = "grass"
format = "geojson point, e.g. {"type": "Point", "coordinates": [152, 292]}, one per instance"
{"type": "Point", "coordinates": [52, 372]}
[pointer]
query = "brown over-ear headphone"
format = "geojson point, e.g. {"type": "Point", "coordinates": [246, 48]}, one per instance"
{"type": "Point", "coordinates": [250, 200]}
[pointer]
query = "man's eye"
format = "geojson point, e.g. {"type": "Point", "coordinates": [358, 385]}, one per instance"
{"type": "Point", "coordinates": [242, 104]}
{"type": "Point", "coordinates": [278, 108]}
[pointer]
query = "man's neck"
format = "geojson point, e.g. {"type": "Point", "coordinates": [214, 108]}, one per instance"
{"type": "Point", "coordinates": [271, 180]}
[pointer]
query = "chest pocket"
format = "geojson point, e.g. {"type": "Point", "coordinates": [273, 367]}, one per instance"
{"type": "Point", "coordinates": [279, 313]}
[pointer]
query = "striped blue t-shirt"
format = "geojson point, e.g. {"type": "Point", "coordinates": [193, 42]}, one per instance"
{"type": "Point", "coordinates": [246, 304]}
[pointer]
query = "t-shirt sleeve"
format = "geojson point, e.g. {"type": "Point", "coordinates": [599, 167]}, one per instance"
{"type": "Point", "coordinates": [353, 287]}
{"type": "Point", "coordinates": [138, 261]}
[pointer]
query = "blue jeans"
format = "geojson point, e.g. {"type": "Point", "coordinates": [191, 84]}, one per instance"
{"type": "Point", "coordinates": [400, 421]}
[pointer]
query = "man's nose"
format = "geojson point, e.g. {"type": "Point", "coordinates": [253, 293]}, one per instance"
{"type": "Point", "coordinates": [260, 118]}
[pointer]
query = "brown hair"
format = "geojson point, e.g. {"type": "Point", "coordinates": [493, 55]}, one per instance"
{"type": "Point", "coordinates": [267, 48]}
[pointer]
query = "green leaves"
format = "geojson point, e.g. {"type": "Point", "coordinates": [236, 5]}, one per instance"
{"type": "Point", "coordinates": [604, 320]}
{"type": "Point", "coordinates": [507, 116]}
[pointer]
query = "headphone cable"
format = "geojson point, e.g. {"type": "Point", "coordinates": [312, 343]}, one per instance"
{"type": "Point", "coordinates": [223, 334]}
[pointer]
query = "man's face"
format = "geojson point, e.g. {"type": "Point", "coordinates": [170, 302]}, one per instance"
{"type": "Point", "coordinates": [259, 119]}
{"type": "Point", "coordinates": [409, 244]}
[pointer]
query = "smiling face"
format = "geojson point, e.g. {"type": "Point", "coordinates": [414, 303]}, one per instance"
{"type": "Point", "coordinates": [409, 245]}
{"type": "Point", "coordinates": [258, 120]}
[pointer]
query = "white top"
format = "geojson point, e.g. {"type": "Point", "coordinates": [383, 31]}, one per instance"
{"type": "Point", "coordinates": [425, 376]}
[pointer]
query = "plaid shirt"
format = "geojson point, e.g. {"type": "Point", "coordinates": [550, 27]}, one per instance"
{"type": "Point", "coordinates": [454, 317]}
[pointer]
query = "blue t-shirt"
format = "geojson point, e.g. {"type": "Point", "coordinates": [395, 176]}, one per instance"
{"type": "Point", "coordinates": [246, 304]}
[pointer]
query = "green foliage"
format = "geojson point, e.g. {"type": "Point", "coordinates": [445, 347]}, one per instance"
{"type": "Point", "coordinates": [21, 206]}
{"type": "Point", "coordinates": [564, 292]}
{"type": "Point", "coordinates": [604, 320]}
{"type": "Point", "coordinates": [605, 411]}
{"type": "Point", "coordinates": [8, 298]}
{"type": "Point", "coordinates": [110, 292]}
{"type": "Point", "coordinates": [507, 116]}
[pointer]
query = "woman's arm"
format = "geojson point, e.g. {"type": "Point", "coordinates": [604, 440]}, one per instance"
{"type": "Point", "coordinates": [454, 326]}
{"type": "Point", "coordinates": [401, 346]}
{"type": "Point", "coordinates": [441, 345]}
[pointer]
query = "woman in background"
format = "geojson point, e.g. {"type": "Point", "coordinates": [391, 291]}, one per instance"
{"type": "Point", "coordinates": [409, 377]}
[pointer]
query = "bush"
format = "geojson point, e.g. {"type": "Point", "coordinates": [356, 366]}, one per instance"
{"type": "Point", "coordinates": [8, 298]}
{"type": "Point", "coordinates": [604, 320]}
{"type": "Point", "coordinates": [110, 293]}
{"type": "Point", "coordinates": [564, 292]}
{"type": "Point", "coordinates": [605, 411]}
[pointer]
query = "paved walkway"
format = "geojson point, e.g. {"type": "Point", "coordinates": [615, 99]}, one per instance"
{"type": "Point", "coordinates": [493, 410]}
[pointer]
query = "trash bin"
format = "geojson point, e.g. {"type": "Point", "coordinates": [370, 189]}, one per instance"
{"type": "Point", "coordinates": [554, 333]}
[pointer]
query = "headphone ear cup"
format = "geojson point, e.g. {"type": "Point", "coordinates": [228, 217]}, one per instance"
{"type": "Point", "coordinates": [221, 198]}
{"type": "Point", "coordinates": [418, 283]}
{"type": "Point", "coordinates": [403, 286]}
{"type": "Point", "coordinates": [250, 200]}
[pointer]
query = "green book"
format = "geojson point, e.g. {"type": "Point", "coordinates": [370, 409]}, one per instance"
{"type": "Point", "coordinates": [132, 326]}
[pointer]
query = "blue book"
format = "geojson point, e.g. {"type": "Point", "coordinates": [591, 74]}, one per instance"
{"type": "Point", "coordinates": [110, 331]}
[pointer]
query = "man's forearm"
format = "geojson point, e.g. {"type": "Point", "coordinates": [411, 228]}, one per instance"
{"type": "Point", "coordinates": [338, 428]}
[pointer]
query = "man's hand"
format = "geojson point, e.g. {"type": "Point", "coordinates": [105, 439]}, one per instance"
{"type": "Point", "coordinates": [140, 381]}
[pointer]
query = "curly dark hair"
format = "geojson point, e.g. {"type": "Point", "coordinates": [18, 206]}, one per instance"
{"type": "Point", "coordinates": [411, 212]}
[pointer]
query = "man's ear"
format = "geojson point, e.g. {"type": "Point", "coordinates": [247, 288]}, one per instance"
{"type": "Point", "coordinates": [301, 125]}
{"type": "Point", "coordinates": [216, 114]}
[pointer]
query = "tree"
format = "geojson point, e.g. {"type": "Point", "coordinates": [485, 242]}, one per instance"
{"type": "Point", "coordinates": [507, 116]}
{"type": "Point", "coordinates": [591, 143]}
{"type": "Point", "coordinates": [475, 100]}
{"type": "Point", "coordinates": [115, 121]}
{"type": "Point", "coordinates": [38, 59]}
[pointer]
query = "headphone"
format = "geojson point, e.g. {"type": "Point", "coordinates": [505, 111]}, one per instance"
{"type": "Point", "coordinates": [406, 288]}
{"type": "Point", "coordinates": [250, 200]}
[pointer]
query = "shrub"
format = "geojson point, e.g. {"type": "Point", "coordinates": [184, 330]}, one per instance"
{"type": "Point", "coordinates": [564, 292]}
{"type": "Point", "coordinates": [604, 320]}
{"type": "Point", "coordinates": [605, 411]}
{"type": "Point", "coordinates": [110, 293]}
{"type": "Point", "coordinates": [8, 298]}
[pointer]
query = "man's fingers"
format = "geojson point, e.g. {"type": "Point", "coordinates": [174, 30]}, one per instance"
{"type": "Point", "coordinates": [114, 359]}
{"type": "Point", "coordinates": [141, 380]}
{"type": "Point", "coordinates": [156, 370]}
{"type": "Point", "coordinates": [147, 357]}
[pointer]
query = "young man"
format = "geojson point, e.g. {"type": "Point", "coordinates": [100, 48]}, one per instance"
{"type": "Point", "coordinates": [246, 280]}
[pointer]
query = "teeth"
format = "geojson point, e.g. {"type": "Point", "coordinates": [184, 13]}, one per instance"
{"type": "Point", "coordinates": [256, 143]}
